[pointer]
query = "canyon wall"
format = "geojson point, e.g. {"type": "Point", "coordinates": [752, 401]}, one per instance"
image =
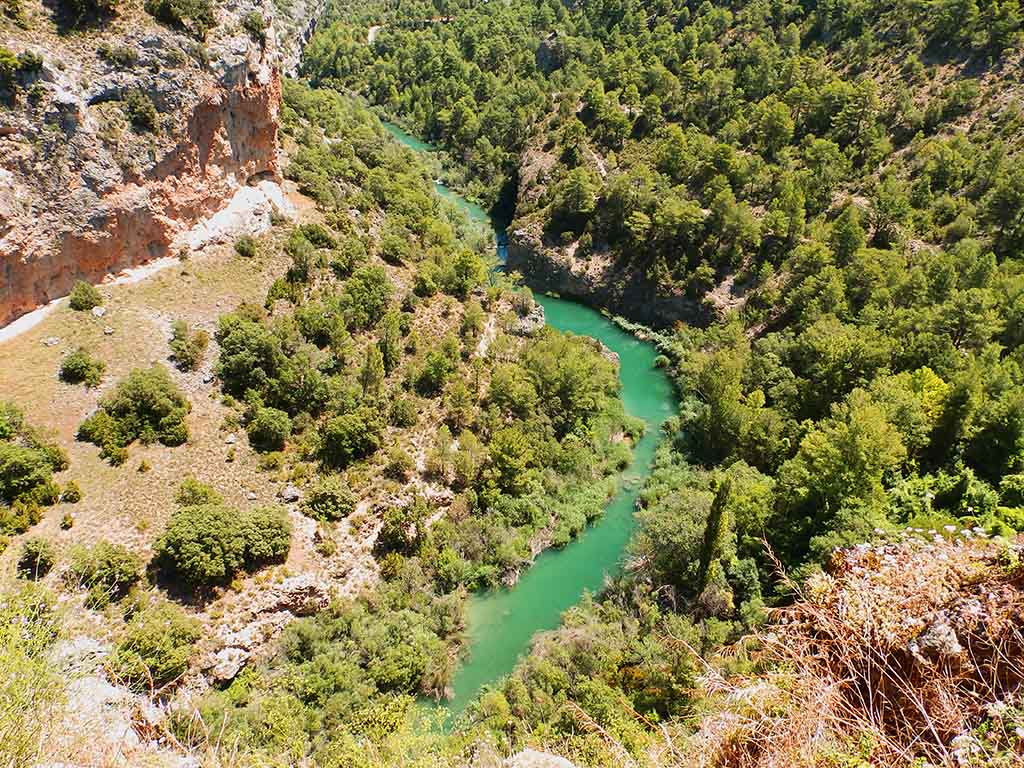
{"type": "Point", "coordinates": [84, 193]}
{"type": "Point", "coordinates": [597, 281]}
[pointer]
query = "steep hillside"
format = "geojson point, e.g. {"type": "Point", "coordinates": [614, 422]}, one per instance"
{"type": "Point", "coordinates": [120, 134]}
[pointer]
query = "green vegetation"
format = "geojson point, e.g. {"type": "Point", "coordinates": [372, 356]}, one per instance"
{"type": "Point", "coordinates": [82, 368]}
{"type": "Point", "coordinates": [141, 111]}
{"type": "Point", "coordinates": [121, 56]}
{"type": "Point", "coordinates": [145, 406]}
{"type": "Point", "coordinates": [155, 648]}
{"type": "Point", "coordinates": [268, 429]}
{"type": "Point", "coordinates": [246, 246]}
{"type": "Point", "coordinates": [209, 544]}
{"type": "Point", "coordinates": [192, 493]}
{"type": "Point", "coordinates": [31, 686]}
{"type": "Point", "coordinates": [27, 463]}
{"type": "Point", "coordinates": [194, 17]}
{"type": "Point", "coordinates": [35, 559]}
{"type": "Point", "coordinates": [329, 499]}
{"type": "Point", "coordinates": [187, 346]}
{"type": "Point", "coordinates": [256, 26]}
{"type": "Point", "coordinates": [84, 296]}
{"type": "Point", "coordinates": [106, 570]}
{"type": "Point", "coordinates": [834, 187]}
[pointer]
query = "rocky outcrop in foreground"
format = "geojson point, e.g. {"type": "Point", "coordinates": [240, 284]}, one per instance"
{"type": "Point", "coordinates": [85, 191]}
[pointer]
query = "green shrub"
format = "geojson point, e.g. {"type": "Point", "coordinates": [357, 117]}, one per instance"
{"type": "Point", "coordinates": [84, 297]}
{"type": "Point", "coordinates": [208, 545]}
{"type": "Point", "coordinates": [81, 368]}
{"type": "Point", "coordinates": [188, 347]}
{"type": "Point", "coordinates": [119, 55]}
{"type": "Point", "coordinates": [20, 516]}
{"type": "Point", "coordinates": [27, 464]}
{"type": "Point", "coordinates": [15, 11]}
{"type": "Point", "coordinates": [403, 412]}
{"type": "Point", "coordinates": [71, 494]}
{"type": "Point", "coordinates": [268, 429]}
{"type": "Point", "coordinates": [246, 246]}
{"type": "Point", "coordinates": [329, 499]}
{"type": "Point", "coordinates": [82, 9]}
{"type": "Point", "coordinates": [145, 406]}
{"type": "Point", "coordinates": [67, 521]}
{"type": "Point", "coordinates": [36, 559]}
{"type": "Point", "coordinates": [400, 464]}
{"type": "Point", "coordinates": [267, 535]}
{"type": "Point", "coordinates": [106, 570]}
{"type": "Point", "coordinates": [192, 493]}
{"type": "Point", "coordinates": [254, 24]}
{"type": "Point", "coordinates": [155, 648]}
{"type": "Point", "coordinates": [349, 437]}
{"type": "Point", "coordinates": [141, 111]}
{"type": "Point", "coordinates": [24, 472]}
{"type": "Point", "coordinates": [192, 16]}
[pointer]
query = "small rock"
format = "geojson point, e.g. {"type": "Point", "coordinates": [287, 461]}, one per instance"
{"type": "Point", "coordinates": [291, 493]}
{"type": "Point", "coordinates": [531, 323]}
{"type": "Point", "coordinates": [939, 640]}
{"type": "Point", "coordinates": [51, 341]}
{"type": "Point", "coordinates": [99, 311]}
{"type": "Point", "coordinates": [228, 662]}
{"type": "Point", "coordinates": [108, 331]}
{"type": "Point", "coordinates": [231, 440]}
{"type": "Point", "coordinates": [531, 758]}
{"type": "Point", "coordinates": [251, 496]}
{"type": "Point", "coordinates": [208, 378]}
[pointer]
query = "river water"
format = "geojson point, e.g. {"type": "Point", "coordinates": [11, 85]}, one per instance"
{"type": "Point", "coordinates": [501, 622]}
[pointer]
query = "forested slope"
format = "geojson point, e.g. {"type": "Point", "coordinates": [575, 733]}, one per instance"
{"type": "Point", "coordinates": [835, 191]}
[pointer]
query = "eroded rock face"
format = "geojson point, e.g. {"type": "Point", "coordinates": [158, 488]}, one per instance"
{"type": "Point", "coordinates": [258, 623]}
{"type": "Point", "coordinates": [597, 281]}
{"type": "Point", "coordinates": [83, 193]}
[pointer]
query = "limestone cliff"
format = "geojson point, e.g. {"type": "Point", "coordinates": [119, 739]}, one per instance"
{"type": "Point", "coordinates": [597, 280]}
{"type": "Point", "coordinates": [85, 193]}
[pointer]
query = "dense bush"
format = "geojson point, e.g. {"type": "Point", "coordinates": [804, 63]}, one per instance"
{"type": "Point", "coordinates": [269, 429]}
{"type": "Point", "coordinates": [122, 56]}
{"type": "Point", "coordinates": [141, 111]}
{"type": "Point", "coordinates": [256, 26]}
{"type": "Point", "coordinates": [27, 464]}
{"type": "Point", "coordinates": [351, 436]}
{"type": "Point", "coordinates": [187, 346]}
{"type": "Point", "coordinates": [71, 494]}
{"type": "Point", "coordinates": [195, 17]}
{"type": "Point", "coordinates": [145, 406]}
{"type": "Point", "coordinates": [155, 648]}
{"type": "Point", "coordinates": [35, 559]}
{"type": "Point", "coordinates": [106, 570]}
{"type": "Point", "coordinates": [81, 368]}
{"type": "Point", "coordinates": [246, 246]}
{"type": "Point", "coordinates": [83, 9]}
{"type": "Point", "coordinates": [84, 297]}
{"type": "Point", "coordinates": [208, 545]}
{"type": "Point", "coordinates": [192, 493]}
{"type": "Point", "coordinates": [329, 499]}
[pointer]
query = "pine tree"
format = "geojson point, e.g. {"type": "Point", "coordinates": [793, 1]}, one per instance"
{"type": "Point", "coordinates": [390, 341]}
{"type": "Point", "coordinates": [372, 376]}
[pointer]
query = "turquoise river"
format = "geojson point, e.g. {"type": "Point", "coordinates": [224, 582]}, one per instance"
{"type": "Point", "coordinates": [502, 622]}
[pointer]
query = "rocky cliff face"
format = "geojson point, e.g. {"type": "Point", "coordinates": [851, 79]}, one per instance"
{"type": "Point", "coordinates": [84, 192]}
{"type": "Point", "coordinates": [598, 281]}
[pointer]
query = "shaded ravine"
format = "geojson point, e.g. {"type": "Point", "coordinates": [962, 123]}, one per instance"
{"type": "Point", "coordinates": [501, 622]}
